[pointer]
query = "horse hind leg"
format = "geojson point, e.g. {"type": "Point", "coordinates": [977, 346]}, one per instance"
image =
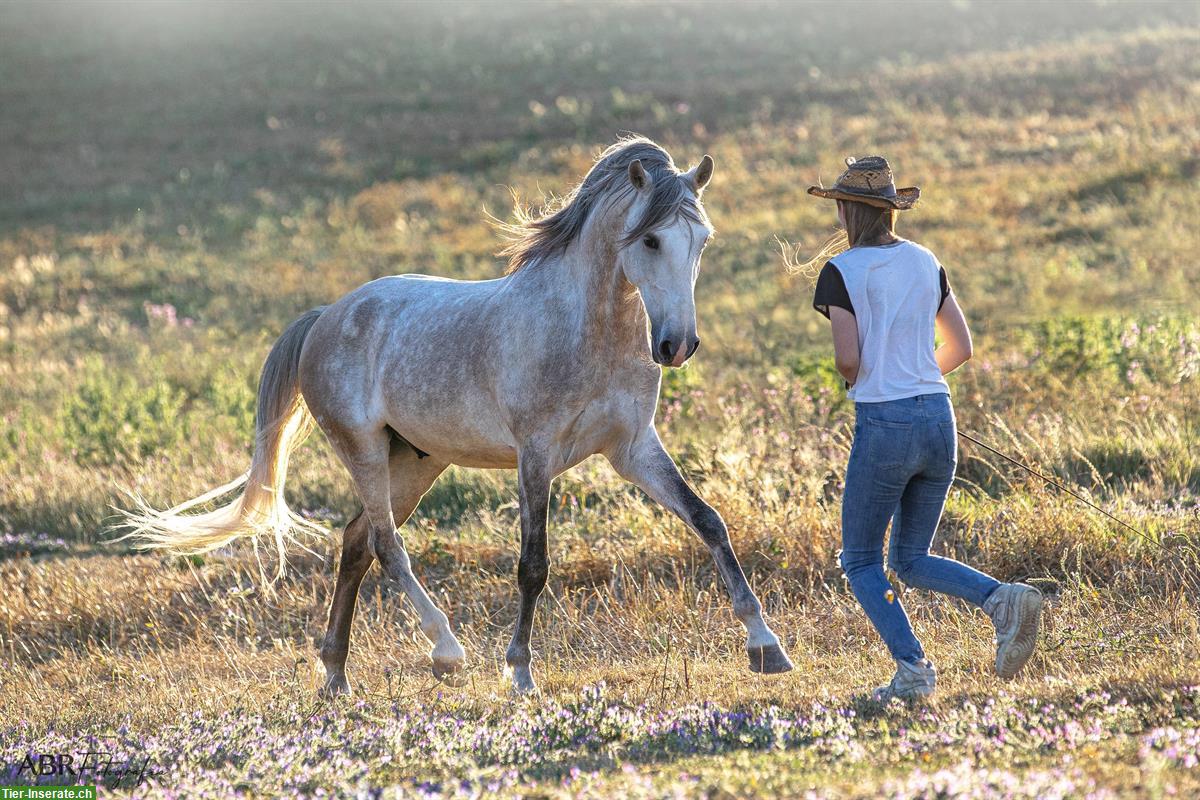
{"type": "Point", "coordinates": [355, 560]}
{"type": "Point", "coordinates": [366, 456]}
{"type": "Point", "coordinates": [410, 477]}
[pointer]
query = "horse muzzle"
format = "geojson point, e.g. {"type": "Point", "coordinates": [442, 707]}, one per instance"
{"type": "Point", "coordinates": [672, 352]}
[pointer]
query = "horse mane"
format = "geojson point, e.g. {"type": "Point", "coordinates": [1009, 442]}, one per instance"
{"type": "Point", "coordinates": [533, 238]}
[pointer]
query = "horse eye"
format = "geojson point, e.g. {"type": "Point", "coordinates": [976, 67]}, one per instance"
{"type": "Point", "coordinates": [651, 241]}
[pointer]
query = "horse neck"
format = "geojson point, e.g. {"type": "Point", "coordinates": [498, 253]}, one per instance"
{"type": "Point", "coordinates": [586, 275]}
{"type": "Point", "coordinates": [612, 311]}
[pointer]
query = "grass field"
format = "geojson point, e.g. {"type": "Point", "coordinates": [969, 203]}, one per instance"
{"type": "Point", "coordinates": [177, 182]}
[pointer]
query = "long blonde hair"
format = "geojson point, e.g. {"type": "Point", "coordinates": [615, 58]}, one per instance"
{"type": "Point", "coordinates": [865, 225]}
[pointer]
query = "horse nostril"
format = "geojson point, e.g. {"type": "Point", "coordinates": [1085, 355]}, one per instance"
{"type": "Point", "coordinates": [666, 349]}
{"type": "Point", "coordinates": [695, 346]}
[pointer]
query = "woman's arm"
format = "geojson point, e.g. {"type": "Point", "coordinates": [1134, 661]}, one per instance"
{"type": "Point", "coordinates": [956, 336]}
{"type": "Point", "coordinates": [845, 343]}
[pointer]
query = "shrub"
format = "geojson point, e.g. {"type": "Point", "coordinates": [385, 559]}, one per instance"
{"type": "Point", "coordinates": [111, 417]}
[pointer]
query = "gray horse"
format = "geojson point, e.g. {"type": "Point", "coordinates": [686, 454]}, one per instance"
{"type": "Point", "coordinates": [536, 370]}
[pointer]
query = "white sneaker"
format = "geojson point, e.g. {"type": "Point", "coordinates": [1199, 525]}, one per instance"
{"type": "Point", "coordinates": [913, 680]}
{"type": "Point", "coordinates": [1016, 611]}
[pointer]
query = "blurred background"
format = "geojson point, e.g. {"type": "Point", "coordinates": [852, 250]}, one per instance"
{"type": "Point", "coordinates": [175, 109]}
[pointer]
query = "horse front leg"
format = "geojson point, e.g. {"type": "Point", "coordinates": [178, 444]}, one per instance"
{"type": "Point", "coordinates": [647, 464]}
{"type": "Point", "coordinates": [533, 477]}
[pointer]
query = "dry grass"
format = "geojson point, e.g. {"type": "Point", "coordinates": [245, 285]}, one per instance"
{"type": "Point", "coordinates": [142, 639]}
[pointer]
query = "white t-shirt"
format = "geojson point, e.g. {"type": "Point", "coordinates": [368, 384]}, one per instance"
{"type": "Point", "coordinates": [894, 292]}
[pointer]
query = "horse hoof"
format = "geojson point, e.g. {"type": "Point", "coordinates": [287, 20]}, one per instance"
{"type": "Point", "coordinates": [335, 686]}
{"type": "Point", "coordinates": [768, 660]}
{"type": "Point", "coordinates": [522, 681]}
{"type": "Point", "coordinates": [448, 671]}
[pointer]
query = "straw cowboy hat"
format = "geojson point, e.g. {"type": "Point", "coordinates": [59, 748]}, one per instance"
{"type": "Point", "coordinates": [869, 180]}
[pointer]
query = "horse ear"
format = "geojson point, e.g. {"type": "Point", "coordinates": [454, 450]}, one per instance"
{"type": "Point", "coordinates": [637, 175]}
{"type": "Point", "coordinates": [702, 173]}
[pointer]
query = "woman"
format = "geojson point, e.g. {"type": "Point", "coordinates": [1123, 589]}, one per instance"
{"type": "Point", "coordinates": [885, 297]}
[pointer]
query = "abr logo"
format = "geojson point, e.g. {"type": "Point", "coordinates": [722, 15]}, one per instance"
{"type": "Point", "coordinates": [48, 764]}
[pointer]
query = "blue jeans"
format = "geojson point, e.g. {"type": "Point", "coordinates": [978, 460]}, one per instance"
{"type": "Point", "coordinates": [901, 465]}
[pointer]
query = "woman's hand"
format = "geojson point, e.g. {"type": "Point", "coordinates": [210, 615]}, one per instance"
{"type": "Point", "coordinates": [956, 336]}
{"type": "Point", "coordinates": [845, 343]}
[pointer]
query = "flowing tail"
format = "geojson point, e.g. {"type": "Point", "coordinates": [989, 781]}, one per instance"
{"type": "Point", "coordinates": [281, 423]}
